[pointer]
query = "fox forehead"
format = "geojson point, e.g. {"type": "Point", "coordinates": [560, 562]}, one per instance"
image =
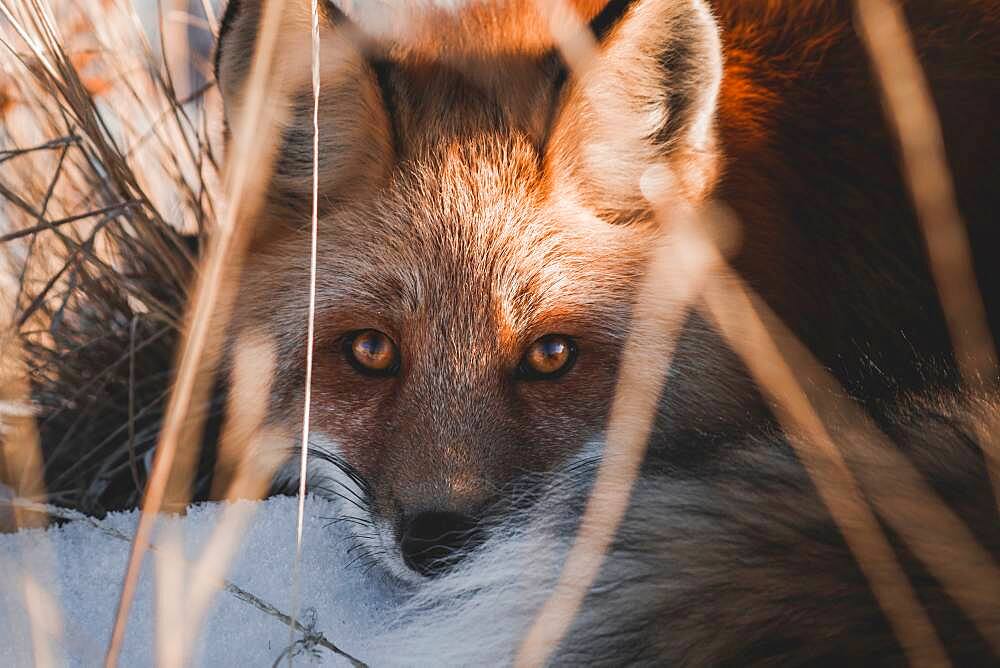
{"type": "Point", "coordinates": [468, 234]}
{"type": "Point", "coordinates": [467, 181]}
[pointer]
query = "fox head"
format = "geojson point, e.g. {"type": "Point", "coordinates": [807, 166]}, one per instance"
{"type": "Point", "coordinates": [482, 232]}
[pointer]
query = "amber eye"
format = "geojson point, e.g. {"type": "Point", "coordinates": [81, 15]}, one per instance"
{"type": "Point", "coordinates": [372, 353]}
{"type": "Point", "coordinates": [549, 357]}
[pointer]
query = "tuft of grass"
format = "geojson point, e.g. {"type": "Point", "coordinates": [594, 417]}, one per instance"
{"type": "Point", "coordinates": [109, 185]}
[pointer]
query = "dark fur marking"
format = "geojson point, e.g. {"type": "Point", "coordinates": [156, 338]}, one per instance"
{"type": "Point", "coordinates": [600, 26]}
{"type": "Point", "coordinates": [609, 17]}
{"type": "Point", "coordinates": [333, 15]}
{"type": "Point", "coordinates": [554, 65]}
{"type": "Point", "coordinates": [228, 19]}
{"type": "Point", "coordinates": [383, 70]}
{"type": "Point", "coordinates": [679, 65]}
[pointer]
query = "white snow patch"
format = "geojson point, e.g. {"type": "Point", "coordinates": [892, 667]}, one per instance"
{"type": "Point", "coordinates": [73, 573]}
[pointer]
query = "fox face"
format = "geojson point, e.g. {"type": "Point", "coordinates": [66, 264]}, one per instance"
{"type": "Point", "coordinates": [482, 233]}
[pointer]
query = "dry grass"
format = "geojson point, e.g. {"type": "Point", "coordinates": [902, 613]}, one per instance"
{"type": "Point", "coordinates": [117, 185]}
{"type": "Point", "coordinates": [110, 183]}
{"type": "Point", "coordinates": [105, 246]}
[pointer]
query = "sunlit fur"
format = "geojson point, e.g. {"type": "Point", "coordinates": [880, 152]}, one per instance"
{"type": "Point", "coordinates": [471, 234]}
{"type": "Point", "coordinates": [477, 194]}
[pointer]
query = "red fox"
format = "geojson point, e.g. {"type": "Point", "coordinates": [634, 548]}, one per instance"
{"type": "Point", "coordinates": [483, 234]}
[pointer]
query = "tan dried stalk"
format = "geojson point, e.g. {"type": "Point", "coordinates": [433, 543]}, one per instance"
{"type": "Point", "coordinates": [253, 370]}
{"type": "Point", "coordinates": [311, 322]}
{"type": "Point", "coordinates": [930, 529]}
{"type": "Point", "coordinates": [21, 473]}
{"type": "Point", "coordinates": [677, 273]}
{"type": "Point", "coordinates": [730, 307]}
{"type": "Point", "coordinates": [931, 185]}
{"type": "Point", "coordinates": [253, 147]}
{"type": "Point", "coordinates": [911, 113]}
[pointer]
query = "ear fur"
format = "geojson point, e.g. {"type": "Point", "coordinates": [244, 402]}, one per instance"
{"type": "Point", "coordinates": [648, 98]}
{"type": "Point", "coordinates": [355, 135]}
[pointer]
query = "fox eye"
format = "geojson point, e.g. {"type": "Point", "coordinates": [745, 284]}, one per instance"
{"type": "Point", "coordinates": [372, 353]}
{"type": "Point", "coordinates": [548, 357]}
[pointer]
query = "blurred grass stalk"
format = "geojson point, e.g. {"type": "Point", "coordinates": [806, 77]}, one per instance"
{"type": "Point", "coordinates": [115, 176]}
{"type": "Point", "coordinates": [108, 168]}
{"type": "Point", "coordinates": [109, 179]}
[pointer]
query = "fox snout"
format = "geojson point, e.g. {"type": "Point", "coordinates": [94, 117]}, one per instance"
{"type": "Point", "coordinates": [427, 532]}
{"type": "Point", "coordinates": [431, 517]}
{"type": "Point", "coordinates": [431, 542]}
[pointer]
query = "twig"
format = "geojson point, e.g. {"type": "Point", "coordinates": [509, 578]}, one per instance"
{"type": "Point", "coordinates": [114, 208]}
{"type": "Point", "coordinates": [8, 154]}
{"type": "Point", "coordinates": [311, 637]}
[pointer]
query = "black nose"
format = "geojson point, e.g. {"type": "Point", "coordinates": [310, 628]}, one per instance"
{"type": "Point", "coordinates": [432, 542]}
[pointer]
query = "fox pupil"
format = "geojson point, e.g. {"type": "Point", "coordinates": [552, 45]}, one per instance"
{"type": "Point", "coordinates": [373, 352]}
{"type": "Point", "coordinates": [549, 356]}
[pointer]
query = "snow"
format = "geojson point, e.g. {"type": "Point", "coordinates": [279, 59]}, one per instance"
{"type": "Point", "coordinates": [71, 577]}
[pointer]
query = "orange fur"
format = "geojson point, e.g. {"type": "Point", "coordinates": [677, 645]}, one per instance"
{"type": "Point", "coordinates": [476, 196]}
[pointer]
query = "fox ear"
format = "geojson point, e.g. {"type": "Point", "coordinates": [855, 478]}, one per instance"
{"type": "Point", "coordinates": [354, 133]}
{"type": "Point", "coordinates": [648, 96]}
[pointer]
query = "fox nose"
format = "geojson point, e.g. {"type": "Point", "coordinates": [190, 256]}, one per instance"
{"type": "Point", "coordinates": [433, 542]}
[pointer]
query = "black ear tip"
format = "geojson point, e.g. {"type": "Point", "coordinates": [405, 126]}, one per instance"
{"type": "Point", "coordinates": [334, 14]}
{"type": "Point", "coordinates": [609, 17]}
{"type": "Point", "coordinates": [228, 20]}
{"type": "Point", "coordinates": [234, 8]}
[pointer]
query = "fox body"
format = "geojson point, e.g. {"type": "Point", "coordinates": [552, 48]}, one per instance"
{"type": "Point", "coordinates": [485, 224]}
